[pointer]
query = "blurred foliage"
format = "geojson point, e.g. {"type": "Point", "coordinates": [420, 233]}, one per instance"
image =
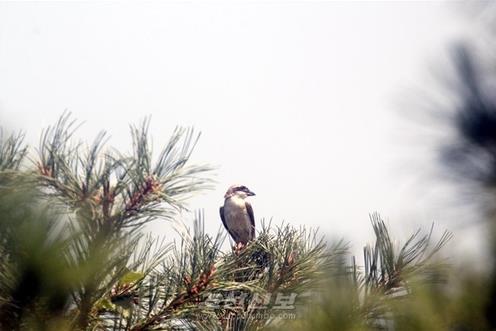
{"type": "Point", "coordinates": [470, 155]}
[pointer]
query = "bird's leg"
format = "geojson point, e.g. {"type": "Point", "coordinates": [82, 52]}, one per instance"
{"type": "Point", "coordinates": [238, 248]}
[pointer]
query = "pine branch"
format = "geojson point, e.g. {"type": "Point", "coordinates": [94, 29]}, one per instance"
{"type": "Point", "coordinates": [387, 269]}
{"type": "Point", "coordinates": [12, 151]}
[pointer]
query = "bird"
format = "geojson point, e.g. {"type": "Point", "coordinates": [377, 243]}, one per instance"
{"type": "Point", "coordinates": [237, 215]}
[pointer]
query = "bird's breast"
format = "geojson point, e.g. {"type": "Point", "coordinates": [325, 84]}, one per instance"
{"type": "Point", "coordinates": [235, 210]}
{"type": "Point", "coordinates": [237, 220]}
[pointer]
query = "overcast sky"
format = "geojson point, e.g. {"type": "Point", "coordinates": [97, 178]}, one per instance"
{"type": "Point", "coordinates": [301, 102]}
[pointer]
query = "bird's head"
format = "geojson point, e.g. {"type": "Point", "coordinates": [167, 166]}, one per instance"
{"type": "Point", "coordinates": [239, 191]}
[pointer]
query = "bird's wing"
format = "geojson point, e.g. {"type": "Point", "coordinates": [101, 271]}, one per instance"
{"type": "Point", "coordinates": [222, 217]}
{"type": "Point", "coordinates": [249, 209]}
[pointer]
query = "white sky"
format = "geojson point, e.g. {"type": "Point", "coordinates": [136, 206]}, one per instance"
{"type": "Point", "coordinates": [295, 100]}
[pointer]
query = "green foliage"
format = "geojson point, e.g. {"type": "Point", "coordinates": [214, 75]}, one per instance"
{"type": "Point", "coordinates": [12, 151]}
{"type": "Point", "coordinates": [369, 298]}
{"type": "Point", "coordinates": [92, 202]}
{"type": "Point", "coordinates": [73, 255]}
{"type": "Point", "coordinates": [386, 267]}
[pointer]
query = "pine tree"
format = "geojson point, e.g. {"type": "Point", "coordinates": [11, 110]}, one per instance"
{"type": "Point", "coordinates": [73, 255]}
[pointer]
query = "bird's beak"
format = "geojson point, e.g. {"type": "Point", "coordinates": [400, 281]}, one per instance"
{"type": "Point", "coordinates": [250, 193]}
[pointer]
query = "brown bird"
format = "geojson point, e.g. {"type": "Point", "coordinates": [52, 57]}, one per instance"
{"type": "Point", "coordinates": [237, 214]}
